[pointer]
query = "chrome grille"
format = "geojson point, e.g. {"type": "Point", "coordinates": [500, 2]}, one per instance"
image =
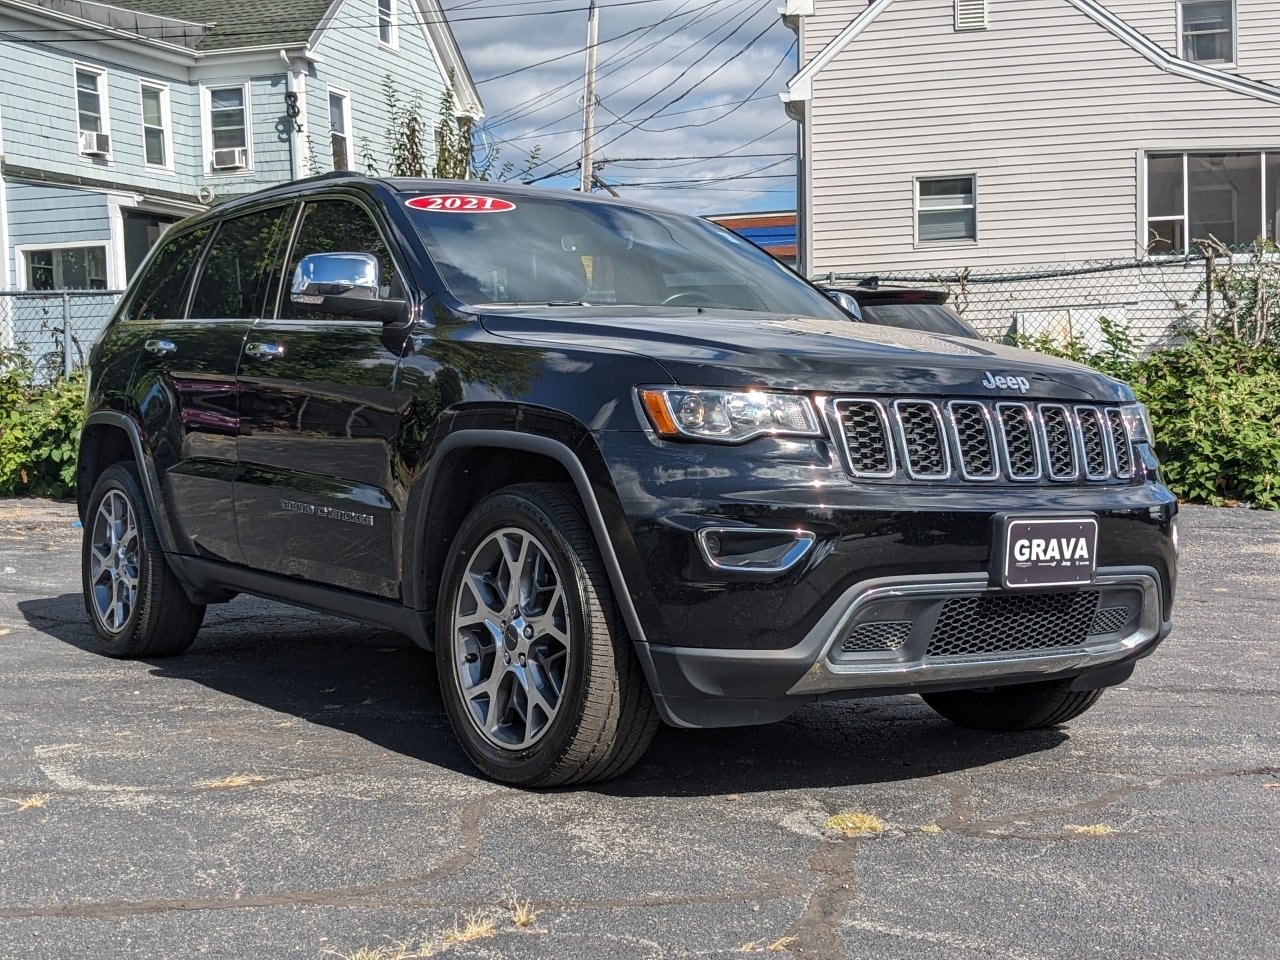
{"type": "Point", "coordinates": [924, 449]}
{"type": "Point", "coordinates": [873, 637]}
{"type": "Point", "coordinates": [1059, 442]}
{"type": "Point", "coordinates": [1094, 442]}
{"type": "Point", "coordinates": [975, 626]}
{"type": "Point", "coordinates": [868, 444]}
{"type": "Point", "coordinates": [980, 440]}
{"type": "Point", "coordinates": [1018, 438]}
{"type": "Point", "coordinates": [974, 440]}
{"type": "Point", "coordinates": [1118, 443]}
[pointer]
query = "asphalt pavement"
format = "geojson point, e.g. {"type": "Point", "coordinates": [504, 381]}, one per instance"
{"type": "Point", "coordinates": [289, 789]}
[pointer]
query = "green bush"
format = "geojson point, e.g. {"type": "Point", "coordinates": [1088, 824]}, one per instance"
{"type": "Point", "coordinates": [1215, 405]}
{"type": "Point", "coordinates": [39, 431]}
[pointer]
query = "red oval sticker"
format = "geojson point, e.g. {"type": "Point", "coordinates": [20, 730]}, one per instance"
{"type": "Point", "coordinates": [460, 203]}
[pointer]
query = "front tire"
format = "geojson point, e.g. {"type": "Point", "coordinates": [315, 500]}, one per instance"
{"type": "Point", "coordinates": [1023, 706]}
{"type": "Point", "coordinates": [136, 606]}
{"type": "Point", "coordinates": [537, 673]}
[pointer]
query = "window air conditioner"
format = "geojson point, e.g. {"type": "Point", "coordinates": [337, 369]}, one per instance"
{"type": "Point", "coordinates": [95, 144]}
{"type": "Point", "coordinates": [231, 158]}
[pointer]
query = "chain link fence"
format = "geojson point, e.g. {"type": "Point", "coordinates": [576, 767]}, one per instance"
{"type": "Point", "coordinates": [53, 329]}
{"type": "Point", "coordinates": [1153, 298]}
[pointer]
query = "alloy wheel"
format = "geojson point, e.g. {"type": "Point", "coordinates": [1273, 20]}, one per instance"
{"type": "Point", "coordinates": [113, 561]}
{"type": "Point", "coordinates": [511, 638]}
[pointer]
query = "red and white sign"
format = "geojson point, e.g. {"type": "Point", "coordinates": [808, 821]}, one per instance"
{"type": "Point", "coordinates": [460, 203]}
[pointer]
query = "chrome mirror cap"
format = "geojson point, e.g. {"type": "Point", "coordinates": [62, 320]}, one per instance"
{"type": "Point", "coordinates": [348, 275]}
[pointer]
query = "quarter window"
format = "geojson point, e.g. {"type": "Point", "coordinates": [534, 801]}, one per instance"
{"type": "Point", "coordinates": [946, 209]}
{"type": "Point", "coordinates": [239, 266]}
{"type": "Point", "coordinates": [387, 22]}
{"type": "Point", "coordinates": [337, 226]}
{"type": "Point", "coordinates": [339, 131]}
{"type": "Point", "coordinates": [67, 268]}
{"type": "Point", "coordinates": [155, 125]}
{"type": "Point", "coordinates": [1208, 30]}
{"type": "Point", "coordinates": [1230, 197]}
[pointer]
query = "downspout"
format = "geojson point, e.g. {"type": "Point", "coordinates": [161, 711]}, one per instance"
{"type": "Point", "coordinates": [295, 81]}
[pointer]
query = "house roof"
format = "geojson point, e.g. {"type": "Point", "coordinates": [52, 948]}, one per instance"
{"type": "Point", "coordinates": [800, 87]}
{"type": "Point", "coordinates": [231, 24]}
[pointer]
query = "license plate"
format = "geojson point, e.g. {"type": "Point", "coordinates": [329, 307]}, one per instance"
{"type": "Point", "coordinates": [1049, 553]}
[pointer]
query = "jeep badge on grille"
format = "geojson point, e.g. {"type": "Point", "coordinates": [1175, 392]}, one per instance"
{"type": "Point", "coordinates": [992, 382]}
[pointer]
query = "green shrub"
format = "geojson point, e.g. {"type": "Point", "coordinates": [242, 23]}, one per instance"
{"type": "Point", "coordinates": [1215, 404]}
{"type": "Point", "coordinates": [39, 432]}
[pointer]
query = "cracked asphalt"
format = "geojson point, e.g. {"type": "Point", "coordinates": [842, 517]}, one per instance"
{"type": "Point", "coordinates": [289, 789]}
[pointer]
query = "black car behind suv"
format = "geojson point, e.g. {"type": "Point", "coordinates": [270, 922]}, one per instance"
{"type": "Point", "coordinates": [614, 465]}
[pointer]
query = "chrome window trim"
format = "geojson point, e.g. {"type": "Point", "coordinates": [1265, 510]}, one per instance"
{"type": "Point", "coordinates": [943, 446]}
{"type": "Point", "coordinates": [889, 442]}
{"type": "Point", "coordinates": [1033, 426]}
{"type": "Point", "coordinates": [959, 447]}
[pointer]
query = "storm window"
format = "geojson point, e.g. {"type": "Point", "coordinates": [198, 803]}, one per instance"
{"type": "Point", "coordinates": [67, 268]}
{"type": "Point", "coordinates": [155, 125]}
{"type": "Point", "coordinates": [1208, 31]}
{"type": "Point", "coordinates": [387, 22]}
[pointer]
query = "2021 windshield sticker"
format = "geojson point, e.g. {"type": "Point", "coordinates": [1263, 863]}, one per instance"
{"type": "Point", "coordinates": [460, 203]}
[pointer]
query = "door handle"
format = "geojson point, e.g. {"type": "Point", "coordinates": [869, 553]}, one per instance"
{"type": "Point", "coordinates": [264, 351]}
{"type": "Point", "coordinates": [160, 347]}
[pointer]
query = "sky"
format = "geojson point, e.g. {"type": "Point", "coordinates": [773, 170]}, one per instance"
{"type": "Point", "coordinates": [687, 113]}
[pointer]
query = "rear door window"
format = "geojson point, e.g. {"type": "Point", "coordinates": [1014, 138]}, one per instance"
{"type": "Point", "coordinates": [239, 266]}
{"type": "Point", "coordinates": [162, 288]}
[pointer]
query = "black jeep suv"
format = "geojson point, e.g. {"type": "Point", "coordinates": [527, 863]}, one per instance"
{"type": "Point", "coordinates": [614, 465]}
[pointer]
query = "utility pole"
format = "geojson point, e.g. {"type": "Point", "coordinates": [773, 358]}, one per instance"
{"type": "Point", "coordinates": [589, 100]}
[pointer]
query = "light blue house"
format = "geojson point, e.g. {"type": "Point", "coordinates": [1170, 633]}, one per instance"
{"type": "Point", "coordinates": [118, 120]}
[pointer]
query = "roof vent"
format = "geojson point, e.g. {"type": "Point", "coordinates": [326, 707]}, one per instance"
{"type": "Point", "coordinates": [971, 14]}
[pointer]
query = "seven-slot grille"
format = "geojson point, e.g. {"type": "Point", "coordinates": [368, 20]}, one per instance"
{"type": "Point", "coordinates": [1012, 440]}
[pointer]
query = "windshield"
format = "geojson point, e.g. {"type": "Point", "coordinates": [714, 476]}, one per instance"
{"type": "Point", "coordinates": [929, 317]}
{"type": "Point", "coordinates": [562, 251]}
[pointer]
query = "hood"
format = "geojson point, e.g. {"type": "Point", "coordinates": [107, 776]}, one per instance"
{"type": "Point", "coordinates": [737, 349]}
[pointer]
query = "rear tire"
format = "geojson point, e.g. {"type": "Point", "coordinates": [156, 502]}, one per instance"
{"type": "Point", "coordinates": [1024, 706]}
{"type": "Point", "coordinates": [538, 676]}
{"type": "Point", "coordinates": [136, 606]}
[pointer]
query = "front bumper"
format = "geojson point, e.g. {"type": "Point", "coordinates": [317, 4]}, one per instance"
{"type": "Point", "coordinates": [701, 687]}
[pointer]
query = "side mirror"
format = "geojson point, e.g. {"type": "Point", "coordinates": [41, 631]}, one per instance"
{"type": "Point", "coordinates": [347, 284]}
{"type": "Point", "coordinates": [845, 302]}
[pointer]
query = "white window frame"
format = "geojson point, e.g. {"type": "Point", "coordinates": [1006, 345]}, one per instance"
{"type": "Point", "coordinates": [393, 31]}
{"type": "Point", "coordinates": [21, 250]}
{"type": "Point", "coordinates": [166, 123]}
{"type": "Point", "coordinates": [206, 127]}
{"type": "Point", "coordinates": [915, 213]}
{"type": "Point", "coordinates": [1235, 38]}
{"type": "Point", "coordinates": [104, 104]}
{"type": "Point", "coordinates": [1145, 186]}
{"type": "Point", "coordinates": [345, 132]}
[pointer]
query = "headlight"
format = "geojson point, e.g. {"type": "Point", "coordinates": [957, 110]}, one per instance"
{"type": "Point", "coordinates": [728, 416]}
{"type": "Point", "coordinates": [1138, 423]}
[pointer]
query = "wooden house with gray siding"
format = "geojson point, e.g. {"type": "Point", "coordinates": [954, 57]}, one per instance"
{"type": "Point", "coordinates": [946, 134]}
{"type": "Point", "coordinates": [118, 119]}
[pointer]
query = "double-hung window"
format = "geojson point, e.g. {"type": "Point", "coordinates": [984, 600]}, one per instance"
{"type": "Point", "coordinates": [1208, 31]}
{"type": "Point", "coordinates": [155, 125]}
{"type": "Point", "coordinates": [387, 22]}
{"type": "Point", "coordinates": [91, 111]}
{"type": "Point", "coordinates": [1233, 198]}
{"type": "Point", "coordinates": [229, 127]}
{"type": "Point", "coordinates": [946, 209]}
{"type": "Point", "coordinates": [340, 130]}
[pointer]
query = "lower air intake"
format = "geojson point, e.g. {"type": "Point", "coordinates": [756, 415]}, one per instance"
{"type": "Point", "coordinates": [973, 626]}
{"type": "Point", "coordinates": [874, 637]}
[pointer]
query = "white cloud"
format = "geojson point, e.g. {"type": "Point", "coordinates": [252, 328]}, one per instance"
{"type": "Point", "coordinates": [650, 54]}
